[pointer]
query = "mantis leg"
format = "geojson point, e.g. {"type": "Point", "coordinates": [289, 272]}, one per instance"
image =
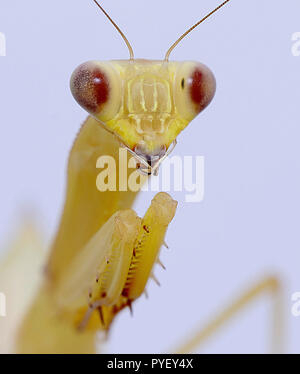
{"type": "Point", "coordinates": [92, 254]}
{"type": "Point", "coordinates": [86, 208]}
{"type": "Point", "coordinates": [270, 285]}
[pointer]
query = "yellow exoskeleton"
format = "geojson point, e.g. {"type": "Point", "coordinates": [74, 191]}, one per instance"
{"type": "Point", "coordinates": [144, 103]}
{"type": "Point", "coordinates": [103, 253]}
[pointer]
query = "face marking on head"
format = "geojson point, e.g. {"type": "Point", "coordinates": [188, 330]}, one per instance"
{"type": "Point", "coordinates": [182, 83]}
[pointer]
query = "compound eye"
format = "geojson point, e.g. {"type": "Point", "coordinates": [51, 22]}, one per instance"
{"type": "Point", "coordinates": [195, 88]}
{"type": "Point", "coordinates": [96, 87]}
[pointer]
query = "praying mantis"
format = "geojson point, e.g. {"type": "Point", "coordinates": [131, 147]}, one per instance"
{"type": "Point", "coordinates": [103, 253]}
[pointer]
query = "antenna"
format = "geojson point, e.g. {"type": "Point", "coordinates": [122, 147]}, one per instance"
{"type": "Point", "coordinates": [191, 29]}
{"type": "Point", "coordinates": [118, 29]}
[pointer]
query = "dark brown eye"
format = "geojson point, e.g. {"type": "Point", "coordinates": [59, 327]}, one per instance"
{"type": "Point", "coordinates": [90, 87]}
{"type": "Point", "coordinates": [194, 88]}
{"type": "Point", "coordinates": [201, 87]}
{"type": "Point", "coordinates": [97, 87]}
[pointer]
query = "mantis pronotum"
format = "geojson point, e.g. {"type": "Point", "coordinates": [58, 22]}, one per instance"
{"type": "Point", "coordinates": [104, 253]}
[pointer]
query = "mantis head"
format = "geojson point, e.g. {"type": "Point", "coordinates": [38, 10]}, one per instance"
{"type": "Point", "coordinates": [145, 103]}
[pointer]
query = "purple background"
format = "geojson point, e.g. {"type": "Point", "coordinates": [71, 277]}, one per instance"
{"type": "Point", "coordinates": [248, 224]}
